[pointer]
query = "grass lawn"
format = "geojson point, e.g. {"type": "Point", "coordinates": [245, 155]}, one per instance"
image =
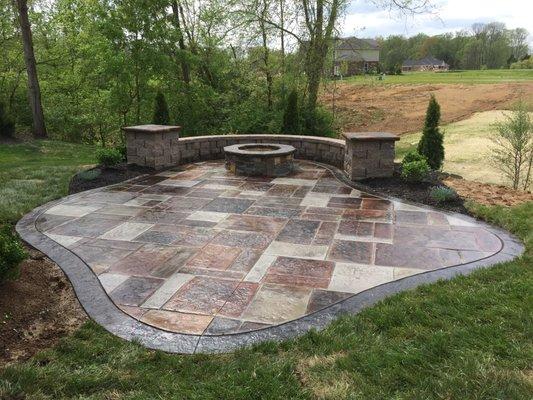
{"type": "Point", "coordinates": [464, 77]}
{"type": "Point", "coordinates": [35, 173]}
{"type": "Point", "coordinates": [469, 338]}
{"type": "Point", "coordinates": [467, 145]}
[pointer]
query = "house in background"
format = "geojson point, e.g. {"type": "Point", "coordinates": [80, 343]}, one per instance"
{"type": "Point", "coordinates": [429, 63]}
{"type": "Point", "coordinates": [355, 56]}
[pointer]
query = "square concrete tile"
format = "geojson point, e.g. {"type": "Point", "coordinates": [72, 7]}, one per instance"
{"type": "Point", "coordinates": [202, 295]}
{"type": "Point", "coordinates": [126, 231]}
{"type": "Point", "coordinates": [65, 241]}
{"type": "Point", "coordinates": [298, 231]}
{"type": "Point", "coordinates": [300, 272]}
{"type": "Point", "coordinates": [228, 205]}
{"type": "Point", "coordinates": [192, 324]}
{"type": "Point", "coordinates": [321, 299]}
{"type": "Point", "coordinates": [297, 250]}
{"type": "Point", "coordinates": [274, 304]}
{"type": "Point", "coordinates": [260, 268]}
{"type": "Point", "coordinates": [275, 212]}
{"type": "Point", "coordinates": [89, 226]}
{"type": "Point", "coordinates": [351, 251]}
{"type": "Point", "coordinates": [214, 256]}
{"type": "Point", "coordinates": [120, 209]}
{"type": "Point", "coordinates": [244, 240]}
{"type": "Point", "coordinates": [100, 258]}
{"type": "Point", "coordinates": [167, 290]}
{"type": "Point", "coordinates": [245, 260]}
{"type": "Point", "coordinates": [178, 183]}
{"type": "Point", "coordinates": [135, 290]}
{"type": "Point", "coordinates": [72, 210]}
{"type": "Point", "coordinates": [407, 256]}
{"type": "Point", "coordinates": [294, 181]}
{"type": "Point", "coordinates": [111, 281]}
{"type": "Point", "coordinates": [239, 299]}
{"type": "Point", "coordinates": [143, 261]}
{"type": "Point", "coordinates": [45, 222]}
{"type": "Point", "coordinates": [354, 278]}
{"type": "Point", "coordinates": [208, 216]}
{"type": "Point", "coordinates": [243, 222]}
{"type": "Point", "coordinates": [223, 326]}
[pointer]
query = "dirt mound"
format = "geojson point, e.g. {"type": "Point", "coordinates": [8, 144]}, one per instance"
{"type": "Point", "coordinates": [401, 108]}
{"type": "Point", "coordinates": [36, 310]}
{"type": "Point", "coordinates": [488, 194]}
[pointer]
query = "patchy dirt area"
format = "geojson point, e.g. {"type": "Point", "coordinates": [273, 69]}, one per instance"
{"type": "Point", "coordinates": [488, 194]}
{"type": "Point", "coordinates": [401, 108]}
{"type": "Point", "coordinates": [104, 176]}
{"type": "Point", "coordinates": [36, 310]}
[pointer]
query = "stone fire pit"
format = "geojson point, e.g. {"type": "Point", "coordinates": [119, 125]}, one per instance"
{"type": "Point", "coordinates": [260, 159]}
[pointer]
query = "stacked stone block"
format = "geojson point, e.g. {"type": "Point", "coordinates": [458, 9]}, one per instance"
{"type": "Point", "coordinates": [369, 154]}
{"type": "Point", "coordinates": [154, 146]}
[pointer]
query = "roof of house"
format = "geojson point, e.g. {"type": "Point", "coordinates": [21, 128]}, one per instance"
{"type": "Point", "coordinates": [429, 60]}
{"type": "Point", "coordinates": [353, 43]}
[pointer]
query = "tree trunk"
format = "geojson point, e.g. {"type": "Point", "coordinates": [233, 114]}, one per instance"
{"type": "Point", "coordinates": [266, 54]}
{"type": "Point", "coordinates": [181, 42]}
{"type": "Point", "coordinates": [34, 91]}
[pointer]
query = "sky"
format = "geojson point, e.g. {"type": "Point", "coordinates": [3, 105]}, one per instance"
{"type": "Point", "coordinates": [365, 19]}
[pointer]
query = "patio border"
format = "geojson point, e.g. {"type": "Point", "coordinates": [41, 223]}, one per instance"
{"type": "Point", "coordinates": [102, 310]}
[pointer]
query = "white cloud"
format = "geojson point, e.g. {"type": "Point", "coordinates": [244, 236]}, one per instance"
{"type": "Point", "coordinates": [452, 15]}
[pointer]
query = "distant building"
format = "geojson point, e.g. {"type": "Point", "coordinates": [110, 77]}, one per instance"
{"type": "Point", "coordinates": [429, 63]}
{"type": "Point", "coordinates": [355, 56]}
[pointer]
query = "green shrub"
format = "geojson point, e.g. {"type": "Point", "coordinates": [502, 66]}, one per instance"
{"type": "Point", "coordinates": [90, 174]}
{"type": "Point", "coordinates": [431, 144]}
{"type": "Point", "coordinates": [291, 117]}
{"type": "Point", "coordinates": [442, 194]}
{"type": "Point", "coordinates": [161, 114]}
{"type": "Point", "coordinates": [108, 157]}
{"type": "Point", "coordinates": [319, 123]}
{"type": "Point", "coordinates": [11, 254]}
{"type": "Point", "coordinates": [415, 171]}
{"type": "Point", "coordinates": [7, 127]}
{"type": "Point", "coordinates": [413, 155]}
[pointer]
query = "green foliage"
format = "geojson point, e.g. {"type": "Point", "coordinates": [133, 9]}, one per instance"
{"type": "Point", "coordinates": [415, 171]}
{"type": "Point", "coordinates": [513, 150]}
{"type": "Point", "coordinates": [413, 155]}
{"type": "Point", "coordinates": [90, 174]}
{"type": "Point", "coordinates": [318, 123]}
{"type": "Point", "coordinates": [161, 113]}
{"type": "Point", "coordinates": [524, 64]}
{"type": "Point", "coordinates": [109, 157]}
{"type": "Point", "coordinates": [7, 127]}
{"type": "Point", "coordinates": [291, 117]}
{"type": "Point", "coordinates": [11, 253]}
{"type": "Point", "coordinates": [442, 194]}
{"type": "Point", "coordinates": [431, 144]}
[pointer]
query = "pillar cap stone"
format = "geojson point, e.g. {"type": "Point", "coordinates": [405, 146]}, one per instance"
{"type": "Point", "coordinates": [151, 128]}
{"type": "Point", "coordinates": [370, 136]}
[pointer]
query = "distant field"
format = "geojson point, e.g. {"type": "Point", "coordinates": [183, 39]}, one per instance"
{"type": "Point", "coordinates": [463, 77]}
{"type": "Point", "coordinates": [467, 145]}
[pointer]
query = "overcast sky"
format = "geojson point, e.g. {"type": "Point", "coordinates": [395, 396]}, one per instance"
{"type": "Point", "coordinates": [364, 19]}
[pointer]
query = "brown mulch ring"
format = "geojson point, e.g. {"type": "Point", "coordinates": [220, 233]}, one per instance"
{"type": "Point", "coordinates": [488, 194]}
{"type": "Point", "coordinates": [36, 310]}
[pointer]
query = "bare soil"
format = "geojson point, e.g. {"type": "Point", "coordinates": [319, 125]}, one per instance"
{"type": "Point", "coordinates": [107, 176]}
{"type": "Point", "coordinates": [36, 310]}
{"type": "Point", "coordinates": [401, 108]}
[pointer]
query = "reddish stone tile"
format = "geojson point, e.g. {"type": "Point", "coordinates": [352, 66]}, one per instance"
{"type": "Point", "coordinates": [214, 256]}
{"type": "Point", "coordinates": [239, 299]}
{"type": "Point", "coordinates": [228, 205]}
{"type": "Point", "coordinates": [324, 210]}
{"type": "Point", "coordinates": [301, 191]}
{"type": "Point", "coordinates": [177, 322]}
{"type": "Point", "coordinates": [331, 189]}
{"type": "Point", "coordinates": [205, 193]}
{"type": "Point", "coordinates": [376, 204]}
{"type": "Point", "coordinates": [367, 215]}
{"type": "Point", "coordinates": [345, 202]}
{"type": "Point", "coordinates": [174, 263]}
{"type": "Point", "coordinates": [383, 231]}
{"type": "Point", "coordinates": [356, 228]}
{"type": "Point", "coordinates": [246, 260]}
{"type": "Point", "coordinates": [300, 272]}
{"type": "Point", "coordinates": [282, 190]}
{"type": "Point", "coordinates": [275, 212]}
{"type": "Point", "coordinates": [253, 223]}
{"type": "Point", "coordinates": [214, 273]}
{"type": "Point", "coordinates": [202, 295]}
{"type": "Point", "coordinates": [350, 251]}
{"type": "Point", "coordinates": [144, 260]}
{"type": "Point", "coordinates": [325, 233]}
{"type": "Point", "coordinates": [135, 312]}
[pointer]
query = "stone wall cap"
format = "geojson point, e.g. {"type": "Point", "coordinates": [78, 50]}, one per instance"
{"type": "Point", "coordinates": [151, 128]}
{"type": "Point", "coordinates": [370, 136]}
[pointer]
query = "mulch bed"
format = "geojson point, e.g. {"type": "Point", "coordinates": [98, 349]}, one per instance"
{"type": "Point", "coordinates": [417, 192]}
{"type": "Point", "coordinates": [102, 176]}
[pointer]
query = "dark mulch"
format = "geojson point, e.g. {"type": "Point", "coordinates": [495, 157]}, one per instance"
{"type": "Point", "coordinates": [103, 176]}
{"type": "Point", "coordinates": [417, 192]}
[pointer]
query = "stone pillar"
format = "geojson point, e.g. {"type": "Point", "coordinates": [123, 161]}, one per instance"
{"type": "Point", "coordinates": [154, 146]}
{"type": "Point", "coordinates": [369, 154]}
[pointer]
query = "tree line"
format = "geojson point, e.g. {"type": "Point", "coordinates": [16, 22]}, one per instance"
{"type": "Point", "coordinates": [484, 46]}
{"type": "Point", "coordinates": [89, 67]}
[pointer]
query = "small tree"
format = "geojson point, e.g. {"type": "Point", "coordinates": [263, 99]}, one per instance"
{"type": "Point", "coordinates": [7, 127]}
{"type": "Point", "coordinates": [291, 117]}
{"type": "Point", "coordinates": [513, 150]}
{"type": "Point", "coordinates": [161, 114]}
{"type": "Point", "coordinates": [431, 144]}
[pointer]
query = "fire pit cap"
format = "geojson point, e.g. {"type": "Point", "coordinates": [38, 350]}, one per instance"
{"type": "Point", "coordinates": [260, 149]}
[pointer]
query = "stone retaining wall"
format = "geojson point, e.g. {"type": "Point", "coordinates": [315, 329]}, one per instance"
{"type": "Point", "coordinates": [325, 150]}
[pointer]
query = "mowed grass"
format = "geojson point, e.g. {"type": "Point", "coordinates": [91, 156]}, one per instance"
{"type": "Point", "coordinates": [469, 338]}
{"type": "Point", "coordinates": [467, 144]}
{"type": "Point", "coordinates": [36, 172]}
{"type": "Point", "coordinates": [450, 77]}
